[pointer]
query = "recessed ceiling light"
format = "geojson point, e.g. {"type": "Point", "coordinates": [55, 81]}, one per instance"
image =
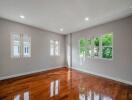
{"type": "Point", "coordinates": [86, 19]}
{"type": "Point", "coordinates": [22, 16]}
{"type": "Point", "coordinates": [61, 29]}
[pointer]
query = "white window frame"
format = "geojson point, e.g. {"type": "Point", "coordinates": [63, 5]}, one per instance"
{"type": "Point", "coordinates": [21, 44]}
{"type": "Point", "coordinates": [13, 44]}
{"type": "Point", "coordinates": [54, 47]}
{"type": "Point", "coordinates": [26, 42]}
{"type": "Point", "coordinates": [101, 57]}
{"type": "Point", "coordinates": [100, 48]}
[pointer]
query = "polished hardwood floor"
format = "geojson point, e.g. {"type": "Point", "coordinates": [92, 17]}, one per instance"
{"type": "Point", "coordinates": [63, 84]}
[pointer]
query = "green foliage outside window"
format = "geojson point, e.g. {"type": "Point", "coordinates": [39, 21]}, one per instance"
{"type": "Point", "coordinates": [96, 46]}
{"type": "Point", "coordinates": [93, 47]}
{"type": "Point", "coordinates": [107, 52]}
{"type": "Point", "coordinates": [84, 49]}
{"type": "Point", "coordinates": [107, 39]}
{"type": "Point", "coordinates": [96, 41]}
{"type": "Point", "coordinates": [107, 46]}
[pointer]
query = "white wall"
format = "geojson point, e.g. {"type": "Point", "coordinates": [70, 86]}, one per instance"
{"type": "Point", "coordinates": [120, 68]}
{"type": "Point", "coordinates": [40, 57]}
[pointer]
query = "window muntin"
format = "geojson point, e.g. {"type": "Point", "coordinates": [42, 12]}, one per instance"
{"type": "Point", "coordinates": [15, 45]}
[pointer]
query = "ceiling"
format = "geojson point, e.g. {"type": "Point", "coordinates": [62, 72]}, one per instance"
{"type": "Point", "coordinates": [67, 14]}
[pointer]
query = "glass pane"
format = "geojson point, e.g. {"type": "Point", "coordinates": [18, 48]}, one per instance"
{"type": "Point", "coordinates": [96, 41]}
{"type": "Point", "coordinates": [15, 36]}
{"type": "Point", "coordinates": [16, 50]}
{"type": "Point", "coordinates": [57, 51]}
{"type": "Point", "coordinates": [82, 47]}
{"type": "Point", "coordinates": [82, 51]}
{"type": "Point", "coordinates": [26, 50]}
{"type": "Point", "coordinates": [96, 51]}
{"type": "Point", "coordinates": [26, 38]}
{"type": "Point", "coordinates": [56, 42]}
{"type": "Point", "coordinates": [85, 47]}
{"type": "Point", "coordinates": [51, 51]}
{"type": "Point", "coordinates": [56, 48]}
{"type": "Point", "coordinates": [51, 47]}
{"type": "Point", "coordinates": [85, 42]}
{"type": "Point", "coordinates": [88, 42]}
{"type": "Point", "coordinates": [26, 45]}
{"type": "Point", "coordinates": [107, 52]}
{"type": "Point", "coordinates": [107, 39]}
{"type": "Point", "coordinates": [96, 46]}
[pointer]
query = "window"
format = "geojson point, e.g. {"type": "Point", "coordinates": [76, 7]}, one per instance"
{"type": "Point", "coordinates": [54, 48]}
{"type": "Point", "coordinates": [15, 42]}
{"type": "Point", "coordinates": [107, 46]}
{"type": "Point", "coordinates": [51, 47]}
{"type": "Point", "coordinates": [20, 45]}
{"type": "Point", "coordinates": [83, 50]}
{"type": "Point", "coordinates": [26, 45]}
{"type": "Point", "coordinates": [97, 47]}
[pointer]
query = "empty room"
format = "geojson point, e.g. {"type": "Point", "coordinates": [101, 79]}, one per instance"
{"type": "Point", "coordinates": [65, 49]}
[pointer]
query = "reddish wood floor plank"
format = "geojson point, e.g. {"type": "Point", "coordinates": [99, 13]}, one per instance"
{"type": "Point", "coordinates": [63, 84]}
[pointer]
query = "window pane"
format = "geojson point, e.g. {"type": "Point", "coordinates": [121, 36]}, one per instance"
{"type": "Point", "coordinates": [16, 50]}
{"type": "Point", "coordinates": [96, 51]}
{"type": "Point", "coordinates": [96, 41]}
{"type": "Point", "coordinates": [96, 46]}
{"type": "Point", "coordinates": [15, 45]}
{"type": "Point", "coordinates": [56, 48]}
{"type": "Point", "coordinates": [26, 45]}
{"type": "Point", "coordinates": [82, 51]}
{"type": "Point", "coordinates": [26, 49]}
{"type": "Point", "coordinates": [107, 52]}
{"type": "Point", "coordinates": [83, 47]}
{"type": "Point", "coordinates": [51, 47]}
{"type": "Point", "coordinates": [107, 39]}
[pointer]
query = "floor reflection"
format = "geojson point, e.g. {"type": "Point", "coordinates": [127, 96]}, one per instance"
{"type": "Point", "coordinates": [26, 95]}
{"type": "Point", "coordinates": [17, 97]}
{"type": "Point", "coordinates": [54, 88]}
{"type": "Point", "coordinates": [88, 94]}
{"type": "Point", "coordinates": [63, 85]}
{"type": "Point", "coordinates": [93, 96]}
{"type": "Point", "coordinates": [22, 96]}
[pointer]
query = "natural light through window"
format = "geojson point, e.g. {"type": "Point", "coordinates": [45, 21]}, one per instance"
{"type": "Point", "coordinates": [54, 48]}
{"type": "Point", "coordinates": [16, 45]}
{"type": "Point", "coordinates": [20, 45]}
{"type": "Point", "coordinates": [96, 47]}
{"type": "Point", "coordinates": [54, 88]}
{"type": "Point", "coordinates": [26, 45]}
{"type": "Point", "coordinates": [24, 95]}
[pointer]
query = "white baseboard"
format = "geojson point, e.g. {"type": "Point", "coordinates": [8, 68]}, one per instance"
{"type": "Point", "coordinates": [27, 73]}
{"type": "Point", "coordinates": [105, 76]}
